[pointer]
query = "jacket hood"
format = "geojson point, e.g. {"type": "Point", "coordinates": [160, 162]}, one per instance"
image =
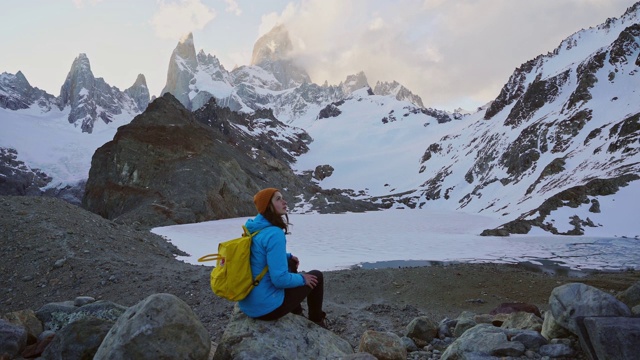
{"type": "Point", "coordinates": [258, 223]}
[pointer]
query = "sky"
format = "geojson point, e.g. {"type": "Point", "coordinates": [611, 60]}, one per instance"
{"type": "Point", "coordinates": [451, 53]}
{"type": "Point", "coordinates": [412, 238]}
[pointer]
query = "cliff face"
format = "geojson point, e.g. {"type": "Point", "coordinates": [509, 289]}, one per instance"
{"type": "Point", "coordinates": [172, 166]}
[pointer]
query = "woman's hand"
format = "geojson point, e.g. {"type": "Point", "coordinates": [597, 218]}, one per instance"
{"type": "Point", "coordinates": [310, 280]}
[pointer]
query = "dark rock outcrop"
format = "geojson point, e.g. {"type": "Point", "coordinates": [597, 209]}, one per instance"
{"type": "Point", "coordinates": [171, 166]}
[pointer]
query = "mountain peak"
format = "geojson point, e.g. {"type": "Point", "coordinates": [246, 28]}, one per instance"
{"type": "Point", "coordinates": [272, 46]}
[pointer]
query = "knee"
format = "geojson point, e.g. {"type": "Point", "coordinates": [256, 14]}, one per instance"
{"type": "Point", "coordinates": [317, 274]}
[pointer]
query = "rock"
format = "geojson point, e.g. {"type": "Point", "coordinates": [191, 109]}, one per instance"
{"type": "Point", "coordinates": [36, 349]}
{"type": "Point", "coordinates": [508, 308]}
{"type": "Point", "coordinates": [422, 330]}
{"type": "Point", "coordinates": [611, 337]}
{"type": "Point", "coordinates": [572, 301]}
{"type": "Point", "coordinates": [523, 320]}
{"type": "Point", "coordinates": [322, 172]}
{"type": "Point", "coordinates": [482, 339]}
{"type": "Point", "coordinates": [551, 329]}
{"type": "Point", "coordinates": [78, 340]}
{"type": "Point", "coordinates": [160, 326]}
{"type": "Point", "coordinates": [465, 322]}
{"type": "Point", "coordinates": [531, 339]}
{"type": "Point", "coordinates": [291, 336]}
{"type": "Point", "coordinates": [555, 350]}
{"type": "Point", "coordinates": [55, 316]}
{"type": "Point", "coordinates": [631, 296]}
{"type": "Point", "coordinates": [13, 339]}
{"type": "Point", "coordinates": [83, 300]}
{"type": "Point", "coordinates": [383, 345]}
{"type": "Point", "coordinates": [26, 319]}
{"type": "Point", "coordinates": [409, 344]}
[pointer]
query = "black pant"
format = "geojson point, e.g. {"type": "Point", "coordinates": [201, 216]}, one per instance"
{"type": "Point", "coordinates": [293, 298]}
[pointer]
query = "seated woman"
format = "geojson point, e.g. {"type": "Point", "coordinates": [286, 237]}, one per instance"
{"type": "Point", "coordinates": [282, 289]}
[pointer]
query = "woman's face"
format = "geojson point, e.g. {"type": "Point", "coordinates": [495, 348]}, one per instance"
{"type": "Point", "coordinates": [279, 204]}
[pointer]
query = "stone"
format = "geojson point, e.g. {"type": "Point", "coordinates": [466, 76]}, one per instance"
{"type": "Point", "coordinates": [611, 337]}
{"type": "Point", "coordinates": [291, 336]}
{"type": "Point", "coordinates": [551, 329]}
{"type": "Point", "coordinates": [422, 330]}
{"type": "Point", "coordinates": [631, 296]}
{"type": "Point", "coordinates": [555, 350]}
{"type": "Point", "coordinates": [160, 326]}
{"type": "Point", "coordinates": [28, 320]}
{"type": "Point", "coordinates": [481, 340]}
{"type": "Point", "coordinates": [532, 340]}
{"type": "Point", "coordinates": [83, 300]}
{"type": "Point", "coordinates": [383, 345]}
{"type": "Point", "coordinates": [36, 349]}
{"type": "Point", "coordinates": [464, 322]}
{"type": "Point", "coordinates": [55, 316]}
{"type": "Point", "coordinates": [575, 300]}
{"type": "Point", "coordinates": [508, 308]}
{"type": "Point", "coordinates": [78, 340]}
{"type": "Point", "coordinates": [13, 339]}
{"type": "Point", "coordinates": [523, 320]}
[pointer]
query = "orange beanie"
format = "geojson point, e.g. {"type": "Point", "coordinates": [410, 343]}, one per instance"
{"type": "Point", "coordinates": [263, 198]}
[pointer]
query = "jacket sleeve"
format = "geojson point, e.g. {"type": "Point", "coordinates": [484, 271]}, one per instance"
{"type": "Point", "coordinates": [276, 247]}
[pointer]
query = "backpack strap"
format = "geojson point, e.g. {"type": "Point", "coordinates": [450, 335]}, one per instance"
{"type": "Point", "coordinates": [256, 281]}
{"type": "Point", "coordinates": [260, 276]}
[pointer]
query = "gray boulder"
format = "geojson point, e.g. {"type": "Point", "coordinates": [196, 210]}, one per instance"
{"type": "Point", "coordinates": [13, 339]}
{"type": "Point", "coordinates": [551, 329]}
{"type": "Point", "coordinates": [159, 327]}
{"type": "Point", "coordinates": [484, 340]}
{"type": "Point", "coordinates": [290, 337]}
{"type": "Point", "coordinates": [55, 316]}
{"type": "Point", "coordinates": [78, 340]}
{"type": "Point", "coordinates": [571, 302]}
{"type": "Point", "coordinates": [612, 337]}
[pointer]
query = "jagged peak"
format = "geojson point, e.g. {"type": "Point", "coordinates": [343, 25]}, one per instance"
{"type": "Point", "coordinates": [355, 82]}
{"type": "Point", "coordinates": [140, 81]}
{"type": "Point", "coordinates": [81, 62]}
{"type": "Point", "coordinates": [272, 46]}
{"type": "Point", "coordinates": [185, 49]}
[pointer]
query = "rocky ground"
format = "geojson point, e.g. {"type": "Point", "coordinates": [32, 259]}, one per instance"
{"type": "Point", "coordinates": [53, 251]}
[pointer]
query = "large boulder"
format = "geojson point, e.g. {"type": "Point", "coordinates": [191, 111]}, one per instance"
{"type": "Point", "coordinates": [612, 337]}
{"type": "Point", "coordinates": [383, 345]}
{"type": "Point", "coordinates": [485, 340]}
{"type": "Point", "coordinates": [78, 340]}
{"type": "Point", "coordinates": [290, 337]}
{"type": "Point", "coordinates": [159, 327]}
{"type": "Point", "coordinates": [570, 303]}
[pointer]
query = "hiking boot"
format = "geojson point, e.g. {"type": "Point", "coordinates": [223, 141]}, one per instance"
{"type": "Point", "coordinates": [323, 322]}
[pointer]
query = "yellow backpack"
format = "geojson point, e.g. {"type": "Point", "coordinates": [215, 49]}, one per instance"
{"type": "Point", "coordinates": [231, 278]}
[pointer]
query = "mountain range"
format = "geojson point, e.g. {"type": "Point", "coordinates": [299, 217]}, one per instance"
{"type": "Point", "coordinates": [549, 154]}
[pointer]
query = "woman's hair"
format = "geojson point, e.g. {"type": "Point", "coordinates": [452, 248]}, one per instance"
{"type": "Point", "coordinates": [281, 221]}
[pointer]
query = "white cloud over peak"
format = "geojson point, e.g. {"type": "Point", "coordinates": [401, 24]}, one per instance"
{"type": "Point", "coordinates": [441, 50]}
{"type": "Point", "coordinates": [233, 7]}
{"type": "Point", "coordinates": [174, 19]}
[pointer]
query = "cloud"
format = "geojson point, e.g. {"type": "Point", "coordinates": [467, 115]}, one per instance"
{"type": "Point", "coordinates": [233, 7]}
{"type": "Point", "coordinates": [175, 19]}
{"type": "Point", "coordinates": [80, 3]}
{"type": "Point", "coordinates": [441, 50]}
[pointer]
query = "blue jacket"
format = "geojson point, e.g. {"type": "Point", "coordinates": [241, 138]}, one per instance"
{"type": "Point", "coordinates": [269, 247]}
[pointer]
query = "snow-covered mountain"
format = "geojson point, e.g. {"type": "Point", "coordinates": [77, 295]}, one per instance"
{"type": "Point", "coordinates": [273, 80]}
{"type": "Point", "coordinates": [549, 152]}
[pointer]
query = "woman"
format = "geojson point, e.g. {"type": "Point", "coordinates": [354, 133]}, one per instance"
{"type": "Point", "coordinates": [281, 290]}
